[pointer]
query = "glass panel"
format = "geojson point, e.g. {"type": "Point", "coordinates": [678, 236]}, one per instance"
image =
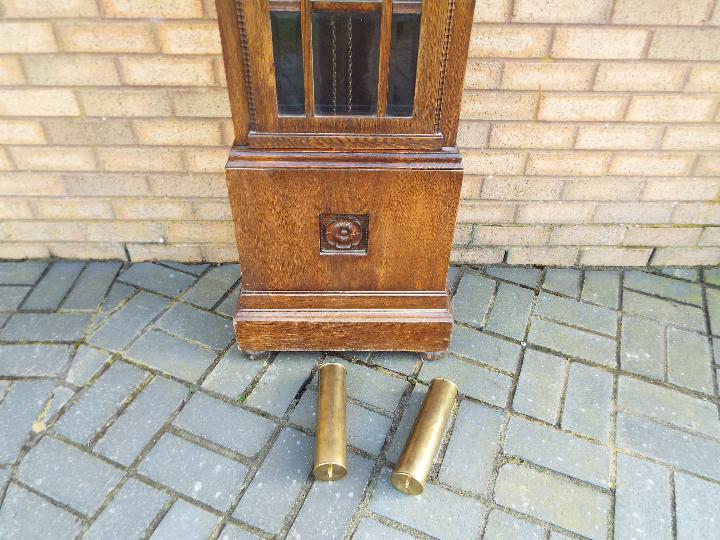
{"type": "Point", "coordinates": [405, 36]}
{"type": "Point", "coordinates": [287, 53]}
{"type": "Point", "coordinates": [346, 53]}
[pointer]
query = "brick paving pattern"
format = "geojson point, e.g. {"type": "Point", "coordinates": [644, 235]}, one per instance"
{"type": "Point", "coordinates": [588, 409]}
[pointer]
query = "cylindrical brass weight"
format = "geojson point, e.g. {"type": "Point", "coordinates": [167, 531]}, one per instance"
{"type": "Point", "coordinates": [417, 457]}
{"type": "Point", "coordinates": [330, 441]}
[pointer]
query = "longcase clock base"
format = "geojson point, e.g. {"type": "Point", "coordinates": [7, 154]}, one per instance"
{"type": "Point", "coordinates": [339, 322]}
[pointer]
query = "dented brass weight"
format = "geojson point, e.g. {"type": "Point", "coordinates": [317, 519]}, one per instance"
{"type": "Point", "coordinates": [421, 446]}
{"type": "Point", "coordinates": [330, 440]}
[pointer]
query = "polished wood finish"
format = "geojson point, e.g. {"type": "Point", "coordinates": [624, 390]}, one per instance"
{"type": "Point", "coordinates": [277, 212]}
{"type": "Point", "coordinates": [359, 142]}
{"type": "Point", "coordinates": [344, 223]}
{"type": "Point", "coordinates": [343, 330]}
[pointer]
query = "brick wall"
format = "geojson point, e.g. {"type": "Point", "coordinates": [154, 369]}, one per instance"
{"type": "Point", "coordinates": [590, 132]}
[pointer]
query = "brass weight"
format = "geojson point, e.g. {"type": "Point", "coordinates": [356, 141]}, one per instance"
{"type": "Point", "coordinates": [330, 441]}
{"type": "Point", "coordinates": [421, 446]}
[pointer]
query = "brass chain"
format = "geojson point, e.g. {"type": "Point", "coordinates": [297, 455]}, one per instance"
{"type": "Point", "coordinates": [334, 64]}
{"type": "Point", "coordinates": [350, 62]}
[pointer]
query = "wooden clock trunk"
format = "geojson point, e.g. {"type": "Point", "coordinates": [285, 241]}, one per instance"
{"type": "Point", "coordinates": [344, 179]}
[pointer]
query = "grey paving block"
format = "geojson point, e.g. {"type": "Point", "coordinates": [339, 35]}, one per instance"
{"type": "Point", "coordinates": [713, 307]}
{"type": "Point", "coordinates": [278, 386]}
{"type": "Point", "coordinates": [678, 448]}
{"type": "Point", "coordinates": [4, 478]}
{"type": "Point", "coordinates": [194, 269]}
{"type": "Point", "coordinates": [562, 280]}
{"type": "Point", "coordinates": [139, 423]}
{"type": "Point", "coordinates": [437, 512]}
{"type": "Point", "coordinates": [572, 342]}
{"type": "Point", "coordinates": [156, 278]}
{"type": "Point", "coordinates": [233, 532]}
{"type": "Point", "coordinates": [225, 425]}
{"type": "Point", "coordinates": [18, 411]}
{"type": "Point", "coordinates": [484, 348]}
{"type": "Point", "coordinates": [129, 513]}
{"type": "Point", "coordinates": [280, 479]}
{"type": "Point", "coordinates": [53, 287]}
{"type": "Point", "coordinates": [33, 360]}
{"type": "Point", "coordinates": [86, 363]}
{"type": "Point", "coordinates": [689, 274]}
{"type": "Point", "coordinates": [172, 355]}
{"type": "Point", "coordinates": [642, 347]}
{"type": "Point", "coordinates": [554, 535]}
{"type": "Point", "coordinates": [554, 499]}
{"type": "Point", "coordinates": [540, 385]}
{"type": "Point", "coordinates": [642, 500]}
{"type": "Point", "coordinates": [400, 362]}
{"type": "Point", "coordinates": [453, 277]}
{"type": "Point", "coordinates": [473, 380]}
{"type": "Point", "coordinates": [126, 323]}
{"type": "Point", "coordinates": [92, 285]}
{"type": "Point", "coordinates": [371, 386]}
{"type": "Point", "coordinates": [674, 289]}
{"type": "Point", "coordinates": [210, 288]}
{"type": "Point", "coordinates": [602, 287]}
{"type": "Point", "coordinates": [712, 276]}
{"type": "Point", "coordinates": [559, 451]}
{"type": "Point", "coordinates": [58, 398]}
{"type": "Point", "coordinates": [503, 526]}
{"type": "Point", "coordinates": [365, 429]}
{"type": "Point", "coordinates": [475, 440]}
{"type": "Point", "coordinates": [25, 515]}
{"type": "Point", "coordinates": [693, 498]}
{"type": "Point", "coordinates": [510, 312]}
{"type": "Point", "coordinates": [314, 519]}
{"type": "Point", "coordinates": [472, 299]}
{"type": "Point", "coordinates": [64, 327]}
{"type": "Point", "coordinates": [233, 374]}
{"type": "Point", "coordinates": [363, 356]}
{"type": "Point", "coordinates": [117, 295]}
{"type": "Point", "coordinates": [11, 296]}
{"type": "Point", "coordinates": [194, 471]}
{"type": "Point", "coordinates": [689, 361]}
{"type": "Point", "coordinates": [68, 475]}
{"type": "Point", "coordinates": [369, 529]}
{"type": "Point", "coordinates": [588, 402]}
{"type": "Point", "coordinates": [3, 319]}
{"type": "Point", "coordinates": [185, 521]}
{"type": "Point", "coordinates": [197, 325]}
{"type": "Point", "coordinates": [665, 311]}
{"type": "Point", "coordinates": [228, 306]}
{"type": "Point", "coordinates": [524, 276]}
{"type": "Point", "coordinates": [580, 314]}
{"type": "Point", "coordinates": [21, 273]}
{"type": "Point", "coordinates": [99, 402]}
{"type": "Point", "coordinates": [669, 405]}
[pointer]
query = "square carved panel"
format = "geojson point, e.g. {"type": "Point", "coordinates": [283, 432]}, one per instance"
{"type": "Point", "coordinates": [344, 234]}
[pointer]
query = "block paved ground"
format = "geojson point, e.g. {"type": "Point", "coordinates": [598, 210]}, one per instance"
{"type": "Point", "coordinates": [588, 408]}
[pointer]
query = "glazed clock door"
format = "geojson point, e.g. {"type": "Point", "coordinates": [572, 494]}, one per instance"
{"type": "Point", "coordinates": [367, 69]}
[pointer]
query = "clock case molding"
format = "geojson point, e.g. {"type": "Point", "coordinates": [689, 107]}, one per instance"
{"type": "Point", "coordinates": [344, 223]}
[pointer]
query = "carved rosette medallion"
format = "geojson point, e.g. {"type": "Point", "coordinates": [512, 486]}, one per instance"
{"type": "Point", "coordinates": [344, 234]}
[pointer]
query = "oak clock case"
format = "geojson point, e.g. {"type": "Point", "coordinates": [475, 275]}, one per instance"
{"type": "Point", "coordinates": [344, 179]}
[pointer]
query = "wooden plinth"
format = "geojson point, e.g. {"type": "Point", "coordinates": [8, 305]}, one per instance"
{"type": "Point", "coordinates": [303, 289]}
{"type": "Point", "coordinates": [343, 322]}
